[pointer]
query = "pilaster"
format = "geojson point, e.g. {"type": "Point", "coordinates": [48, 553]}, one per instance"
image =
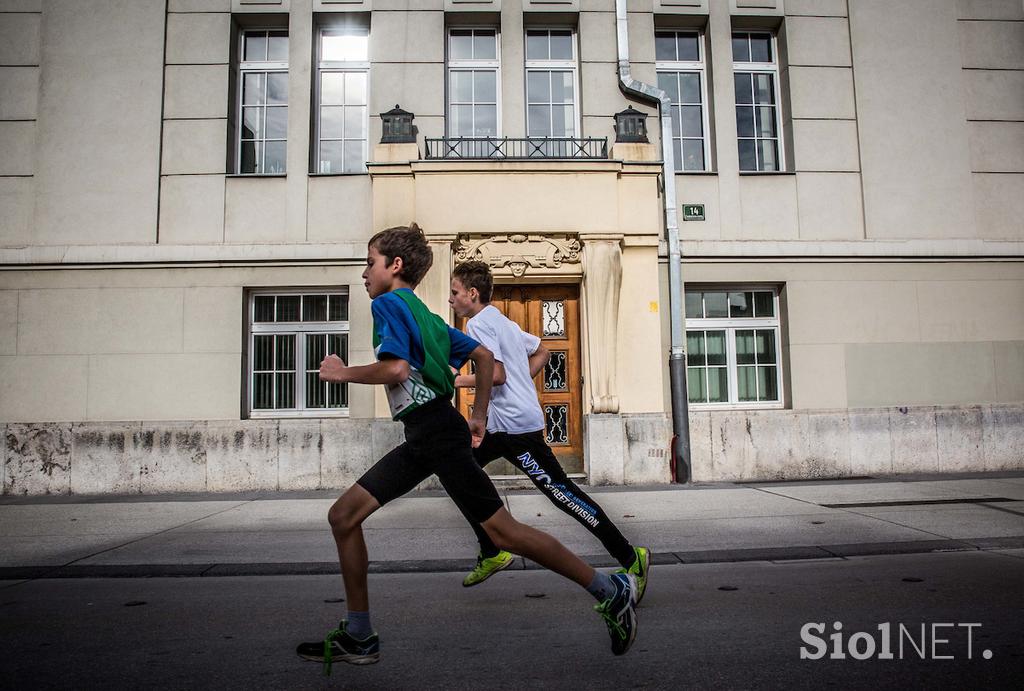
{"type": "Point", "coordinates": [300, 81]}
{"type": "Point", "coordinates": [434, 288]}
{"type": "Point", "coordinates": [602, 280]}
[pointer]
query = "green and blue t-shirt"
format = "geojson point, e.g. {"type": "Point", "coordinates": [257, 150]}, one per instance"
{"type": "Point", "coordinates": [404, 328]}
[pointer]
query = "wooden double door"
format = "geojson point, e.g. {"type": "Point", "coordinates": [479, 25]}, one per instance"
{"type": "Point", "coordinates": [551, 312]}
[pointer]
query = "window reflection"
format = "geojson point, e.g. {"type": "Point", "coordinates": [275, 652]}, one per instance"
{"type": "Point", "coordinates": [343, 47]}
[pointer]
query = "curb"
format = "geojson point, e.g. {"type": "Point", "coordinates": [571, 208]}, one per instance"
{"type": "Point", "coordinates": [723, 556]}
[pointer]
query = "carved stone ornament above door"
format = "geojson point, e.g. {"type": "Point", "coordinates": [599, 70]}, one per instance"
{"type": "Point", "coordinates": [519, 251]}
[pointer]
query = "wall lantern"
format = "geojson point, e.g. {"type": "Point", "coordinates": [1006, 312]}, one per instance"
{"type": "Point", "coordinates": [631, 126]}
{"type": "Point", "coordinates": [397, 127]}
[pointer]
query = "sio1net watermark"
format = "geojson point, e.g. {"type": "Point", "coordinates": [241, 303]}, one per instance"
{"type": "Point", "coordinates": [891, 641]}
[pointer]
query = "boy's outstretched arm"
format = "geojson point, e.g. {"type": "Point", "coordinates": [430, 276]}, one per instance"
{"type": "Point", "coordinates": [484, 362]}
{"type": "Point", "coordinates": [390, 371]}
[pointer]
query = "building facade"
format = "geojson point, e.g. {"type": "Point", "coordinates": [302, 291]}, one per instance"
{"type": "Point", "coordinates": [187, 188]}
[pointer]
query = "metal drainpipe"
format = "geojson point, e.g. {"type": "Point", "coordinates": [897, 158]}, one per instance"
{"type": "Point", "coordinates": [677, 352]}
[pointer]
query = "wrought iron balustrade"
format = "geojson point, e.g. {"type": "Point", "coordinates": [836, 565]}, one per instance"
{"type": "Point", "coordinates": [516, 149]}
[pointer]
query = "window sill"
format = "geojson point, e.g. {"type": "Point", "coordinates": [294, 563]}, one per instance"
{"type": "Point", "coordinates": [339, 175]}
{"type": "Point", "coordinates": [256, 176]}
{"type": "Point", "coordinates": [743, 173]}
{"type": "Point", "coordinates": [298, 415]}
{"type": "Point", "coordinates": [732, 407]}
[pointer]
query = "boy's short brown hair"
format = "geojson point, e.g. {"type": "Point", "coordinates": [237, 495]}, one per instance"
{"type": "Point", "coordinates": [475, 274]}
{"type": "Point", "coordinates": [409, 243]}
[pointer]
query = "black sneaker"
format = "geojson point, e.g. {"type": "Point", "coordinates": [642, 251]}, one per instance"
{"type": "Point", "coordinates": [619, 612]}
{"type": "Point", "coordinates": [339, 645]}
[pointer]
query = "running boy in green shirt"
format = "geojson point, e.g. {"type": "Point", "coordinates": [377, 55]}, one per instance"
{"type": "Point", "coordinates": [415, 352]}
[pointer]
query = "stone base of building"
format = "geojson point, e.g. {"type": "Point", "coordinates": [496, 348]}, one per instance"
{"type": "Point", "coordinates": [232, 456]}
{"type": "Point", "coordinates": [806, 445]}
{"type": "Point", "coordinates": [215, 456]}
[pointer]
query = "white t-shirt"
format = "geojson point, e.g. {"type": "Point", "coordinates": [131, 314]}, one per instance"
{"type": "Point", "coordinates": [514, 407]}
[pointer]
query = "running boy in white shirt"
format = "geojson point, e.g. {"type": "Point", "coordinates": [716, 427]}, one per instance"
{"type": "Point", "coordinates": [515, 426]}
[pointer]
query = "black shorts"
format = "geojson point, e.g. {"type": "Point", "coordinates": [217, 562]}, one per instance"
{"type": "Point", "coordinates": [437, 442]}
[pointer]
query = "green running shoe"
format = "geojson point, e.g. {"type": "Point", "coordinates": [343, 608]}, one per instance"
{"type": "Point", "coordinates": [340, 645]}
{"type": "Point", "coordinates": [639, 568]}
{"type": "Point", "coordinates": [619, 612]}
{"type": "Point", "coordinates": [487, 567]}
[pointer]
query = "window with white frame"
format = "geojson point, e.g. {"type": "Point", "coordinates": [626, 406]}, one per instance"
{"type": "Point", "coordinates": [758, 121]}
{"type": "Point", "coordinates": [290, 333]}
{"type": "Point", "coordinates": [681, 74]}
{"type": "Point", "coordinates": [733, 343]}
{"type": "Point", "coordinates": [474, 82]}
{"type": "Point", "coordinates": [342, 115]}
{"type": "Point", "coordinates": [552, 108]}
{"type": "Point", "coordinates": [262, 145]}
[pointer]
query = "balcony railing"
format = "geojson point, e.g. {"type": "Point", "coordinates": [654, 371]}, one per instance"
{"type": "Point", "coordinates": [509, 149]}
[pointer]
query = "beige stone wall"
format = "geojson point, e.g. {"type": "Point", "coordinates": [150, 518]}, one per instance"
{"type": "Point", "coordinates": [193, 198]}
{"type": "Point", "coordinates": [117, 344]}
{"type": "Point", "coordinates": [875, 151]}
{"type": "Point", "coordinates": [866, 334]}
{"type": "Point", "coordinates": [98, 128]}
{"type": "Point", "coordinates": [818, 196]}
{"type": "Point", "coordinates": [749, 445]}
{"type": "Point", "coordinates": [70, 172]}
{"type": "Point", "coordinates": [19, 112]}
{"type": "Point", "coordinates": [865, 160]}
{"type": "Point", "coordinates": [912, 187]}
{"type": "Point", "coordinates": [640, 312]}
{"type": "Point", "coordinates": [991, 36]}
{"type": "Point", "coordinates": [144, 344]}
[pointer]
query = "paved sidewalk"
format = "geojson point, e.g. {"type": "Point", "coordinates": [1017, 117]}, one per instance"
{"type": "Point", "coordinates": [286, 533]}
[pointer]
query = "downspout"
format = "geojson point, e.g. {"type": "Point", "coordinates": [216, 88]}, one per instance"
{"type": "Point", "coordinates": [677, 352]}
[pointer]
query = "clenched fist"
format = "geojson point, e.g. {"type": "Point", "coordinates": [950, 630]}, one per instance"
{"type": "Point", "coordinates": [477, 430]}
{"type": "Point", "coordinates": [332, 368]}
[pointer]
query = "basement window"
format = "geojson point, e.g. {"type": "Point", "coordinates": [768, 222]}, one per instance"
{"type": "Point", "coordinates": [290, 333]}
{"type": "Point", "coordinates": [733, 346]}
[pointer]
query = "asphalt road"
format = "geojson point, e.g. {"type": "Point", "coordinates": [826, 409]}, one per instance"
{"type": "Point", "coordinates": [731, 625]}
